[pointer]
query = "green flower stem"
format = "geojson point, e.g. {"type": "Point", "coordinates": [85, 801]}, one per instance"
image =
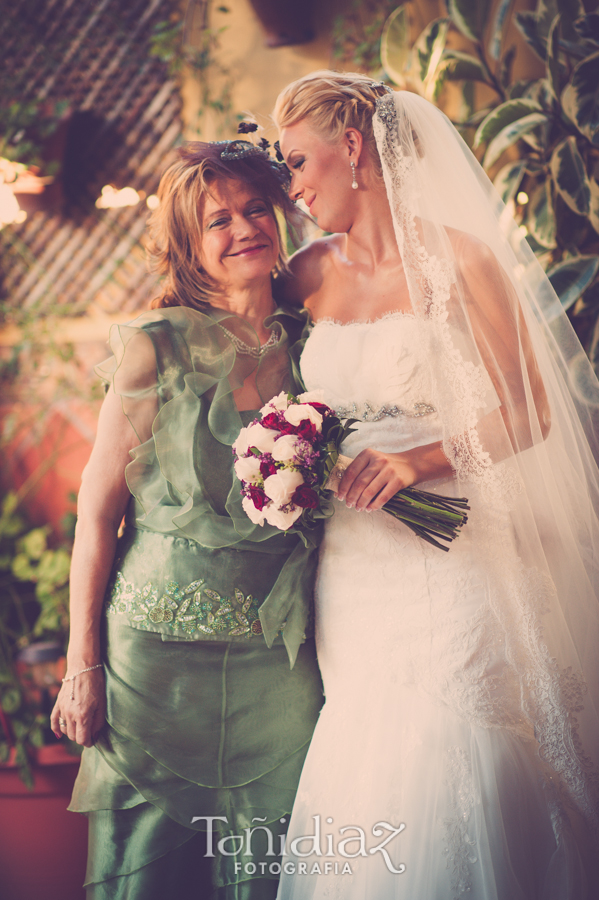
{"type": "Point", "coordinates": [430, 516]}
{"type": "Point", "coordinates": [434, 512]}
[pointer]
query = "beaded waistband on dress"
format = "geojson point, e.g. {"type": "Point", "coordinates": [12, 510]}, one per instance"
{"type": "Point", "coordinates": [365, 412]}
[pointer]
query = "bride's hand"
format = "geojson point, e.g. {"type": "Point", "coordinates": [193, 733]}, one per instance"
{"type": "Point", "coordinates": [374, 477]}
{"type": "Point", "coordinates": [83, 716]}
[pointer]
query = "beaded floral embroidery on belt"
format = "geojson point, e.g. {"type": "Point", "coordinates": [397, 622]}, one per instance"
{"type": "Point", "coordinates": [365, 412]}
{"type": "Point", "coordinates": [193, 608]}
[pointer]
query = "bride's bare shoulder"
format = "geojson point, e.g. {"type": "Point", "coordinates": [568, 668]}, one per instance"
{"type": "Point", "coordinates": [470, 251]}
{"type": "Point", "coordinates": [309, 267]}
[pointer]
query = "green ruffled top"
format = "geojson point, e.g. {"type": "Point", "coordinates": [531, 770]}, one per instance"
{"type": "Point", "coordinates": [191, 565]}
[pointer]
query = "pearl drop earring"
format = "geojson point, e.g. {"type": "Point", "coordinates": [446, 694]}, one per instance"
{"type": "Point", "coordinates": [354, 183]}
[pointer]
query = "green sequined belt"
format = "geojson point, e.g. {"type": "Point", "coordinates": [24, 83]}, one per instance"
{"type": "Point", "coordinates": [184, 591]}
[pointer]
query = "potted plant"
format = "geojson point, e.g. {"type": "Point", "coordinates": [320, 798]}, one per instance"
{"type": "Point", "coordinates": [540, 135]}
{"type": "Point", "coordinates": [37, 772]}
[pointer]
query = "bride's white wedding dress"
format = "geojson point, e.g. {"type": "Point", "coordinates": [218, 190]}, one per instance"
{"type": "Point", "coordinates": [422, 724]}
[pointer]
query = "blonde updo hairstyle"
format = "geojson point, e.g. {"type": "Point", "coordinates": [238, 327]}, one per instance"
{"type": "Point", "coordinates": [331, 102]}
{"type": "Point", "coordinates": [175, 227]}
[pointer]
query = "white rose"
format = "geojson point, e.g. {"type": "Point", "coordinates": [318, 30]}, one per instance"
{"type": "Point", "coordinates": [311, 397]}
{"type": "Point", "coordinates": [285, 448]}
{"type": "Point", "coordinates": [240, 444]}
{"type": "Point", "coordinates": [254, 515]}
{"type": "Point", "coordinates": [255, 436]}
{"type": "Point", "coordinates": [279, 402]}
{"type": "Point", "coordinates": [281, 520]}
{"type": "Point", "coordinates": [296, 413]}
{"type": "Point", "coordinates": [248, 469]}
{"type": "Point", "coordinates": [281, 486]}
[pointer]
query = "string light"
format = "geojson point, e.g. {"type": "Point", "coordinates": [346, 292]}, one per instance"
{"type": "Point", "coordinates": [113, 199]}
{"type": "Point", "coordinates": [522, 198]}
{"type": "Point", "coordinates": [10, 210]}
{"type": "Point", "coordinates": [153, 202]}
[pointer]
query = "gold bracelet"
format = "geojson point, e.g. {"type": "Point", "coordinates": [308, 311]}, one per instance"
{"type": "Point", "coordinates": [73, 677]}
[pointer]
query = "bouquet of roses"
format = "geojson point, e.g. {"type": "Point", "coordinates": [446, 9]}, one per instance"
{"type": "Point", "coordinates": [288, 463]}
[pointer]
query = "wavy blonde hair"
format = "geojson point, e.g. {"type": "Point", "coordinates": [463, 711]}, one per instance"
{"type": "Point", "coordinates": [175, 227]}
{"type": "Point", "coordinates": [332, 102]}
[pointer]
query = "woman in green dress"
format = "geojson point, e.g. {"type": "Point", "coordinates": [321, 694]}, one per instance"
{"type": "Point", "coordinates": [191, 681]}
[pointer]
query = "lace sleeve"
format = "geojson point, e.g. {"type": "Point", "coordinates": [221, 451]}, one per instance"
{"type": "Point", "coordinates": [503, 340]}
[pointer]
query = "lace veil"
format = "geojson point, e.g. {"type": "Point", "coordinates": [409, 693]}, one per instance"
{"type": "Point", "coordinates": [517, 399]}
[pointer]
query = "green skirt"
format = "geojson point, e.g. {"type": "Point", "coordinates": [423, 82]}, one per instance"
{"type": "Point", "coordinates": [193, 779]}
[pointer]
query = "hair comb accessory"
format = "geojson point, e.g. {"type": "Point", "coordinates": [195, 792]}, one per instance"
{"type": "Point", "coordinates": [381, 84]}
{"type": "Point", "coordinates": [386, 110]}
{"type": "Point", "coordinates": [240, 149]}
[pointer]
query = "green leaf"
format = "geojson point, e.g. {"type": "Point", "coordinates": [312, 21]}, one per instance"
{"type": "Point", "coordinates": [34, 543]}
{"type": "Point", "coordinates": [545, 13]}
{"type": "Point", "coordinates": [11, 699]}
{"type": "Point", "coordinates": [519, 89]}
{"type": "Point", "coordinates": [588, 303]}
{"type": "Point", "coordinates": [21, 754]}
{"type": "Point", "coordinates": [535, 26]}
{"type": "Point", "coordinates": [477, 117]}
{"type": "Point", "coordinates": [505, 69]}
{"type": "Point", "coordinates": [540, 92]}
{"type": "Point", "coordinates": [541, 216]}
{"type": "Point", "coordinates": [580, 98]}
{"type": "Point", "coordinates": [569, 174]}
{"type": "Point", "coordinates": [511, 134]}
{"type": "Point", "coordinates": [9, 504]}
{"type": "Point", "coordinates": [22, 568]}
{"type": "Point", "coordinates": [54, 567]}
{"type": "Point", "coordinates": [570, 11]}
{"type": "Point", "coordinates": [458, 66]}
{"type": "Point", "coordinates": [553, 64]}
{"type": "Point", "coordinates": [20, 729]}
{"type": "Point", "coordinates": [4, 751]}
{"type": "Point", "coordinates": [587, 27]}
{"type": "Point", "coordinates": [395, 45]}
{"type": "Point", "coordinates": [26, 776]}
{"type": "Point", "coordinates": [571, 278]}
{"type": "Point", "coordinates": [507, 181]}
{"type": "Point", "coordinates": [429, 47]}
{"type": "Point", "coordinates": [504, 115]}
{"type": "Point", "coordinates": [470, 17]}
{"type": "Point", "coordinates": [36, 736]}
{"type": "Point", "coordinates": [594, 204]}
{"type": "Point", "coordinates": [467, 102]}
{"type": "Point", "coordinates": [529, 26]}
{"type": "Point", "coordinates": [497, 28]}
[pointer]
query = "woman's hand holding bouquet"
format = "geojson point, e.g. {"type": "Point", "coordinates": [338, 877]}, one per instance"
{"type": "Point", "coordinates": [288, 463]}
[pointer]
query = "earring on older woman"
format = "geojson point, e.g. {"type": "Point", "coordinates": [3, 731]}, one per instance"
{"type": "Point", "coordinates": [354, 183]}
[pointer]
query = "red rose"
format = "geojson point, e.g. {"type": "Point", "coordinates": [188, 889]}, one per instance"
{"type": "Point", "coordinates": [258, 497]}
{"type": "Point", "coordinates": [305, 497]}
{"type": "Point", "coordinates": [322, 408]}
{"type": "Point", "coordinates": [271, 421]}
{"type": "Point", "coordinates": [306, 430]}
{"type": "Point", "coordinates": [267, 468]}
{"type": "Point", "coordinates": [278, 423]}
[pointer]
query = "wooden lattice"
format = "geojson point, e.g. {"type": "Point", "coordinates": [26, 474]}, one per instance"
{"type": "Point", "coordinates": [124, 114]}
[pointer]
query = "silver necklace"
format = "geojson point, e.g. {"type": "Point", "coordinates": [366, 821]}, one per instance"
{"type": "Point", "coordinates": [246, 349]}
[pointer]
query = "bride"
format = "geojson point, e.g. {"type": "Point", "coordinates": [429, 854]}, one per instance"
{"type": "Point", "coordinates": [456, 754]}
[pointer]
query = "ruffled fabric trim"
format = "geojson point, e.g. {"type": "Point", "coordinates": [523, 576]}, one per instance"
{"type": "Point", "coordinates": [175, 370]}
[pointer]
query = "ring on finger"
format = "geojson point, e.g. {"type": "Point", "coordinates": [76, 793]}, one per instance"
{"type": "Point", "coordinates": [62, 722]}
